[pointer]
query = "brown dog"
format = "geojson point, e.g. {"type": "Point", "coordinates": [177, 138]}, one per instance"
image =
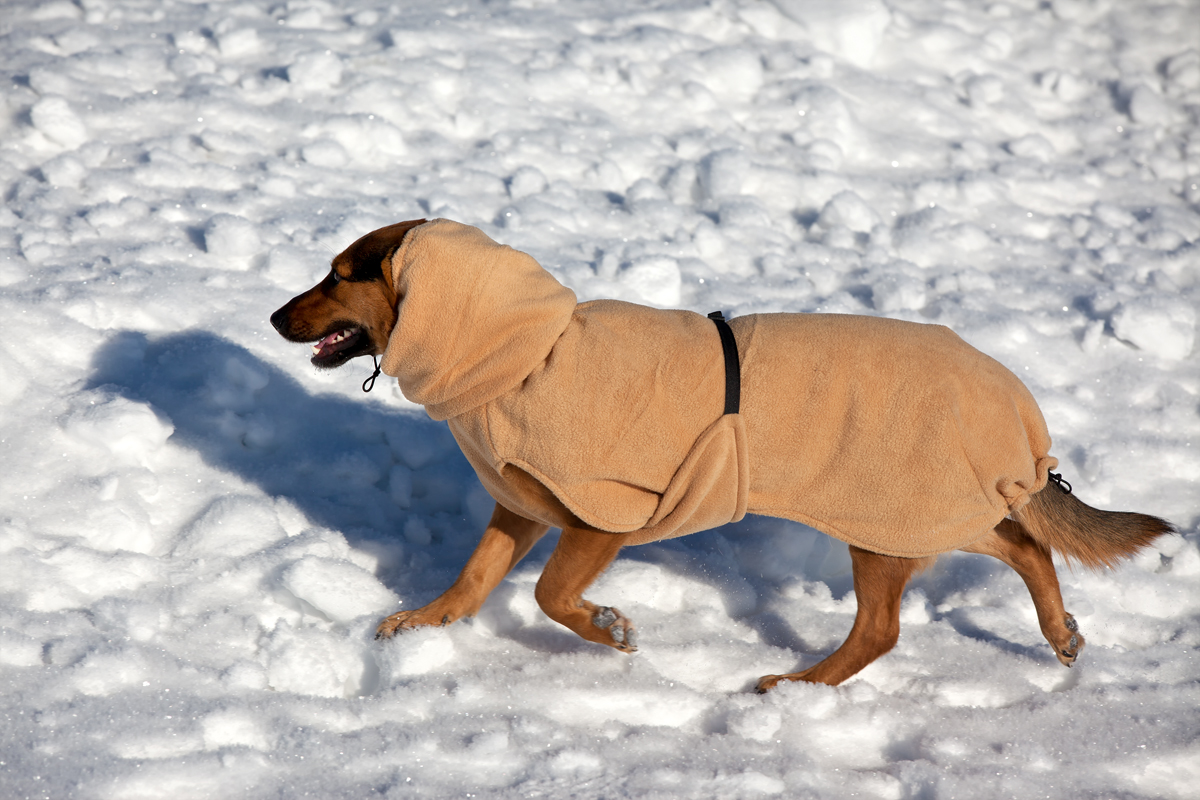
{"type": "Point", "coordinates": [622, 425]}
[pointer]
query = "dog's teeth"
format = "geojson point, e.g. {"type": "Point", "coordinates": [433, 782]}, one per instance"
{"type": "Point", "coordinates": [316, 348]}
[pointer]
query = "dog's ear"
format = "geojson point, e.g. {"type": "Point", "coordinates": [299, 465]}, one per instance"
{"type": "Point", "coordinates": [365, 259]}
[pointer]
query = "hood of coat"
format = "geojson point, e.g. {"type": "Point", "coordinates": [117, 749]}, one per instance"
{"type": "Point", "coordinates": [475, 317]}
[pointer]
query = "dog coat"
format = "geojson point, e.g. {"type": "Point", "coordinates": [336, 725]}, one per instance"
{"type": "Point", "coordinates": [893, 436]}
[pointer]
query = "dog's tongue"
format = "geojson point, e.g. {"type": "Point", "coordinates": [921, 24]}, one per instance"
{"type": "Point", "coordinates": [330, 343]}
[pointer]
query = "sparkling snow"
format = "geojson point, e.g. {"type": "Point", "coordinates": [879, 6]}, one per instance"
{"type": "Point", "coordinates": [199, 532]}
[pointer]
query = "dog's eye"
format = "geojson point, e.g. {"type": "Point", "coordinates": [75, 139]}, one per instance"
{"type": "Point", "coordinates": [334, 277]}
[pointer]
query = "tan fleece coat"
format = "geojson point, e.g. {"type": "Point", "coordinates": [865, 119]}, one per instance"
{"type": "Point", "coordinates": [894, 436]}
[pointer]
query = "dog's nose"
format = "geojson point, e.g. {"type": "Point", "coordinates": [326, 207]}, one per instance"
{"type": "Point", "coordinates": [279, 319]}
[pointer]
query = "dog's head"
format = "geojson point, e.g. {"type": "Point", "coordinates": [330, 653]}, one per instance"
{"type": "Point", "coordinates": [353, 310]}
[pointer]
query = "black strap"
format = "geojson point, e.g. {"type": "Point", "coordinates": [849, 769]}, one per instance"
{"type": "Point", "coordinates": [733, 367]}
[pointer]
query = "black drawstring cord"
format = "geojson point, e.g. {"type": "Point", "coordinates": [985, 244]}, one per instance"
{"type": "Point", "coordinates": [369, 383]}
{"type": "Point", "coordinates": [1060, 481]}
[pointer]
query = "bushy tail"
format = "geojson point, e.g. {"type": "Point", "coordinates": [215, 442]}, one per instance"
{"type": "Point", "coordinates": [1055, 518]}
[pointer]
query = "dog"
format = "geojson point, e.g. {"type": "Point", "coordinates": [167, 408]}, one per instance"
{"type": "Point", "coordinates": [622, 424]}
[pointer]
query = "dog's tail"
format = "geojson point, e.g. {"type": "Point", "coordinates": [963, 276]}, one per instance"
{"type": "Point", "coordinates": [1057, 519]}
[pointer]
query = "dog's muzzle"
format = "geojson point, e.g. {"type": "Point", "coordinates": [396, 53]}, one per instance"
{"type": "Point", "coordinates": [279, 319]}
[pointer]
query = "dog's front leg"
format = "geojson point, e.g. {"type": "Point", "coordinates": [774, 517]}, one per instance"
{"type": "Point", "coordinates": [578, 560]}
{"type": "Point", "coordinates": [507, 539]}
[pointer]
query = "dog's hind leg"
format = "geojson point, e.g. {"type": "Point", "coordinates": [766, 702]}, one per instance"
{"type": "Point", "coordinates": [578, 560]}
{"type": "Point", "coordinates": [507, 539]}
{"type": "Point", "coordinates": [1011, 544]}
{"type": "Point", "coordinates": [879, 582]}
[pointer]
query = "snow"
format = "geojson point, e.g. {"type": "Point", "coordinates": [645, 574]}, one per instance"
{"type": "Point", "coordinates": [199, 532]}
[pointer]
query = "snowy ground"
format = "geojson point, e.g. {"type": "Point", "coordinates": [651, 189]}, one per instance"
{"type": "Point", "coordinates": [199, 532]}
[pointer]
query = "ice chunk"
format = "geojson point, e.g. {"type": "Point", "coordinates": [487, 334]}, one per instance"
{"type": "Point", "coordinates": [19, 650]}
{"type": "Point", "coordinates": [419, 651]}
{"type": "Point", "coordinates": [417, 532]}
{"type": "Point", "coordinates": [57, 9]}
{"type": "Point", "coordinates": [744, 212]}
{"type": "Point", "coordinates": [55, 119]}
{"type": "Point", "coordinates": [400, 485]}
{"type": "Point", "coordinates": [526, 181]}
{"type": "Point", "coordinates": [849, 210]}
{"type": "Point", "coordinates": [656, 279]}
{"type": "Point", "coordinates": [733, 71]}
{"type": "Point", "coordinates": [1165, 326]}
{"type": "Point", "coordinates": [1033, 146]}
{"type": "Point", "coordinates": [852, 29]}
{"type": "Point", "coordinates": [125, 427]}
{"type": "Point", "coordinates": [316, 71]}
{"type": "Point", "coordinates": [724, 173]}
{"type": "Point", "coordinates": [313, 662]}
{"type": "Point", "coordinates": [238, 43]}
{"type": "Point", "coordinates": [233, 727]}
{"type": "Point", "coordinates": [1148, 107]}
{"type": "Point", "coordinates": [231, 238]}
{"type": "Point", "coordinates": [236, 385]}
{"type": "Point", "coordinates": [355, 469]}
{"type": "Point", "coordinates": [64, 171]}
{"type": "Point", "coordinates": [757, 723]}
{"type": "Point", "coordinates": [1183, 70]}
{"type": "Point", "coordinates": [479, 506]}
{"type": "Point", "coordinates": [232, 526]}
{"type": "Point", "coordinates": [415, 446]}
{"type": "Point", "coordinates": [362, 137]}
{"type": "Point", "coordinates": [325, 153]}
{"type": "Point", "coordinates": [898, 293]}
{"type": "Point", "coordinates": [190, 41]}
{"type": "Point", "coordinates": [984, 90]}
{"type": "Point", "coordinates": [338, 589]}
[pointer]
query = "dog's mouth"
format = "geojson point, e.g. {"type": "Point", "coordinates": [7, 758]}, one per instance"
{"type": "Point", "coordinates": [339, 347]}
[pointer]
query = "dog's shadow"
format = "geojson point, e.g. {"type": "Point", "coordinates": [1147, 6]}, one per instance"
{"type": "Point", "coordinates": [372, 471]}
{"type": "Point", "coordinates": [359, 466]}
{"type": "Point", "coordinates": [342, 462]}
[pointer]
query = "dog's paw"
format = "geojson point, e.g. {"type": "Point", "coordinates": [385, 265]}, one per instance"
{"type": "Point", "coordinates": [402, 621]}
{"type": "Point", "coordinates": [619, 627]}
{"type": "Point", "coordinates": [1073, 646]}
{"type": "Point", "coordinates": [768, 682]}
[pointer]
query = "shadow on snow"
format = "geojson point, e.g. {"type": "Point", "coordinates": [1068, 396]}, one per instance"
{"type": "Point", "coordinates": [338, 460]}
